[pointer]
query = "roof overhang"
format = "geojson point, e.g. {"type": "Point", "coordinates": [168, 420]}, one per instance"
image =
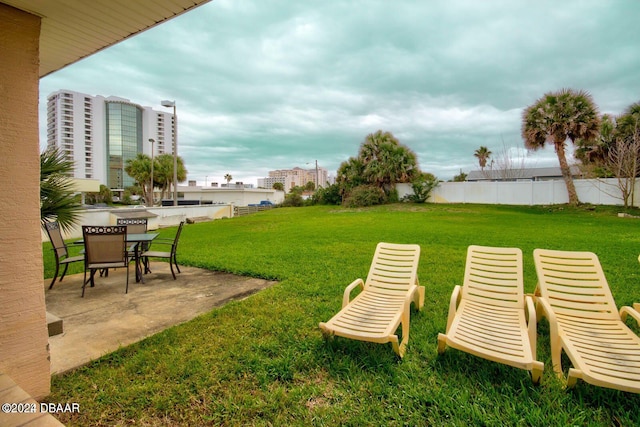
{"type": "Point", "coordinates": [74, 29]}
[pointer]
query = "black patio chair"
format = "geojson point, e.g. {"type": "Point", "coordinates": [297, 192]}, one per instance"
{"type": "Point", "coordinates": [136, 226]}
{"type": "Point", "coordinates": [60, 250]}
{"type": "Point", "coordinates": [171, 255]}
{"type": "Point", "coordinates": [105, 247]}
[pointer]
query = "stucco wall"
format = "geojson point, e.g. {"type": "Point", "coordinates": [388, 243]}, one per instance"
{"type": "Point", "coordinates": [23, 332]}
{"type": "Point", "coordinates": [166, 216]}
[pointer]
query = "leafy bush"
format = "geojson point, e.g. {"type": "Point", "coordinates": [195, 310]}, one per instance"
{"type": "Point", "coordinates": [392, 196]}
{"type": "Point", "coordinates": [365, 195]}
{"type": "Point", "coordinates": [422, 188]}
{"type": "Point", "coordinates": [104, 196]}
{"type": "Point", "coordinates": [327, 195]}
{"type": "Point", "coordinates": [293, 199]}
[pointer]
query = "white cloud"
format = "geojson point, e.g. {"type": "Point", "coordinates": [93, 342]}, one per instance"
{"type": "Point", "coordinates": [266, 85]}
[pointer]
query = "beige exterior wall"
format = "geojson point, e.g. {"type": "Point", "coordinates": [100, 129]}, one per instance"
{"type": "Point", "coordinates": [24, 353]}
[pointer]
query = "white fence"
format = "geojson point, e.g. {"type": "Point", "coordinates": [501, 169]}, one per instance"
{"type": "Point", "coordinates": [594, 191]}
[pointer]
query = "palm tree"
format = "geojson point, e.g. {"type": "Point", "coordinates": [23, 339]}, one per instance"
{"type": "Point", "coordinates": [386, 161]}
{"type": "Point", "coordinates": [483, 155]}
{"type": "Point", "coordinates": [139, 169]}
{"type": "Point", "coordinates": [556, 117]}
{"type": "Point", "coordinates": [595, 152]}
{"type": "Point", "coordinates": [228, 178]}
{"type": "Point", "coordinates": [163, 172]}
{"type": "Point", "coordinates": [57, 199]}
{"type": "Point", "coordinates": [350, 175]}
{"type": "Point", "coordinates": [628, 123]}
{"type": "Point", "coordinates": [370, 149]}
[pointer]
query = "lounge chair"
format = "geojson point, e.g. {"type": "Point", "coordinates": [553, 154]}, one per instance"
{"type": "Point", "coordinates": [489, 315]}
{"type": "Point", "coordinates": [385, 300]}
{"type": "Point", "coordinates": [574, 295]}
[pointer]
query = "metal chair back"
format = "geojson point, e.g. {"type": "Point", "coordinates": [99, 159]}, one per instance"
{"type": "Point", "coordinates": [55, 237]}
{"type": "Point", "coordinates": [174, 247]}
{"type": "Point", "coordinates": [135, 225]}
{"type": "Point", "coordinates": [105, 244]}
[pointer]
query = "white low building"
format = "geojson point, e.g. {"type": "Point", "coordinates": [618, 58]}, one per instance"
{"type": "Point", "coordinates": [235, 196]}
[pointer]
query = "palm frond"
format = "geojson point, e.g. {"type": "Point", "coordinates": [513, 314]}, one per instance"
{"type": "Point", "coordinates": [57, 199]}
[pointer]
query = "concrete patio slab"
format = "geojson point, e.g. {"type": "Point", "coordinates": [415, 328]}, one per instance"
{"type": "Point", "coordinates": [107, 318]}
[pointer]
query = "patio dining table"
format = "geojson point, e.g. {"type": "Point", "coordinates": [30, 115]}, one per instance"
{"type": "Point", "coordinates": [139, 240]}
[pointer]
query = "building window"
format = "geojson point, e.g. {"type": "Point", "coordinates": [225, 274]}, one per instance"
{"type": "Point", "coordinates": [124, 141]}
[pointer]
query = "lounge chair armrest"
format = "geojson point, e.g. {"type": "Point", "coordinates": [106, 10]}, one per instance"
{"type": "Point", "coordinates": [531, 322]}
{"type": "Point", "coordinates": [410, 297]}
{"type": "Point", "coordinates": [530, 309]}
{"type": "Point", "coordinates": [543, 307]}
{"type": "Point", "coordinates": [453, 305]}
{"type": "Point", "coordinates": [633, 312]}
{"type": "Point", "coordinates": [347, 291]}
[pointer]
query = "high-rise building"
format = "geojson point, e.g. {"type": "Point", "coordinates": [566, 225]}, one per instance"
{"type": "Point", "coordinates": [295, 177]}
{"type": "Point", "coordinates": [99, 134]}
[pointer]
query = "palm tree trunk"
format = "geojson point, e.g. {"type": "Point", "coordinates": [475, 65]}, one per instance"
{"type": "Point", "coordinates": [566, 174]}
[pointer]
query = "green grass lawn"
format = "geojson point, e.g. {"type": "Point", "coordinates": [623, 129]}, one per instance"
{"type": "Point", "coordinates": [263, 361]}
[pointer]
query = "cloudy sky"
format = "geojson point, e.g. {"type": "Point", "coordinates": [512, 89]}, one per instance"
{"type": "Point", "coordinates": [273, 84]}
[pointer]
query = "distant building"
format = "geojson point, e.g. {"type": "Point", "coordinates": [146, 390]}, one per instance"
{"type": "Point", "coordinates": [524, 174]}
{"type": "Point", "coordinates": [239, 196]}
{"type": "Point", "coordinates": [268, 182]}
{"type": "Point", "coordinates": [100, 134]}
{"type": "Point", "coordinates": [295, 177]}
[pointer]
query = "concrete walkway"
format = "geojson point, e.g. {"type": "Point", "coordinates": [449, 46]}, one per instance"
{"type": "Point", "coordinates": [107, 318]}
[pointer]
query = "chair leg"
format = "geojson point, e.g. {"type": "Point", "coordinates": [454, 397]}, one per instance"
{"type": "Point", "coordinates": [556, 356]}
{"type": "Point", "coordinates": [573, 376]}
{"type": "Point", "coordinates": [126, 291]}
{"type": "Point", "coordinates": [64, 272]}
{"type": "Point", "coordinates": [93, 278]}
{"type": "Point", "coordinates": [394, 343]}
{"type": "Point", "coordinates": [84, 281]}
{"type": "Point", "coordinates": [54, 276]}
{"type": "Point", "coordinates": [405, 333]}
{"type": "Point", "coordinates": [171, 266]}
{"type": "Point", "coordinates": [442, 343]}
{"type": "Point", "coordinates": [418, 298]}
{"type": "Point", "coordinates": [175, 261]}
{"type": "Point", "coordinates": [536, 372]}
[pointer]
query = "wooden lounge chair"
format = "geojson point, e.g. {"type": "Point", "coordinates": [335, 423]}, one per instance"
{"type": "Point", "coordinates": [385, 301]}
{"type": "Point", "coordinates": [489, 315]}
{"type": "Point", "coordinates": [574, 295]}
